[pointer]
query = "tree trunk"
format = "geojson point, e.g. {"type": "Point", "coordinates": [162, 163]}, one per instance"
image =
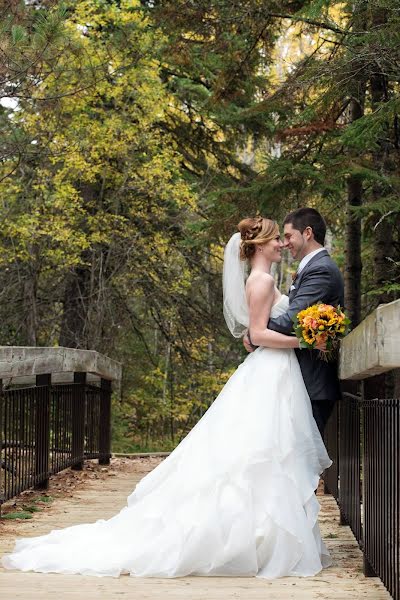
{"type": "Point", "coordinates": [30, 307]}
{"type": "Point", "coordinates": [74, 319]}
{"type": "Point", "coordinates": [171, 400]}
{"type": "Point", "coordinates": [383, 249]}
{"type": "Point", "coordinates": [353, 263]}
{"type": "Point", "coordinates": [383, 230]}
{"type": "Point", "coordinates": [353, 266]}
{"type": "Point", "coordinates": [78, 293]}
{"type": "Point", "coordinates": [165, 388]}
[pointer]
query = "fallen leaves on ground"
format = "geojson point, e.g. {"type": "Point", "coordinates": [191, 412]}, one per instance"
{"type": "Point", "coordinates": [67, 484]}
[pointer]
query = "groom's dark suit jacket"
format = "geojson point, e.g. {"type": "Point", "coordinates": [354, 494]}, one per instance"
{"type": "Point", "coordinates": [319, 281]}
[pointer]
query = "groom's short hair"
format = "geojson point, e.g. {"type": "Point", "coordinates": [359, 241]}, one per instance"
{"type": "Point", "coordinates": [308, 217]}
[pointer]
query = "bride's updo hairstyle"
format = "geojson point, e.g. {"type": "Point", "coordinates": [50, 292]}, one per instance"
{"type": "Point", "coordinates": [253, 232]}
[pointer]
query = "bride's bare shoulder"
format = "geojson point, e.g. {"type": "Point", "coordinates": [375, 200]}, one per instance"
{"type": "Point", "coordinates": [260, 280]}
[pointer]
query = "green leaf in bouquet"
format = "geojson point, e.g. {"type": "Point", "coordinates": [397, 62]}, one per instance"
{"type": "Point", "coordinates": [304, 344]}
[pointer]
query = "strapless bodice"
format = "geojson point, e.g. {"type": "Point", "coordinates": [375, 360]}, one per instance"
{"type": "Point", "coordinates": [280, 307]}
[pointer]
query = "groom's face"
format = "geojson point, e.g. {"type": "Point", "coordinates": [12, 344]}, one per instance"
{"type": "Point", "coordinates": [294, 241]}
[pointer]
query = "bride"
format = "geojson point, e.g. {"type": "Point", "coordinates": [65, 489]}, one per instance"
{"type": "Point", "coordinates": [236, 497]}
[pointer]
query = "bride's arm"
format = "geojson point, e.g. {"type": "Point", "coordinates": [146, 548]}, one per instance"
{"type": "Point", "coordinates": [260, 292]}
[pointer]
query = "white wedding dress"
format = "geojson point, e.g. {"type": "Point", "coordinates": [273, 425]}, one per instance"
{"type": "Point", "coordinates": [235, 498]}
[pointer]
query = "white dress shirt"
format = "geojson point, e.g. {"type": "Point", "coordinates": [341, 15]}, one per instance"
{"type": "Point", "coordinates": [307, 258]}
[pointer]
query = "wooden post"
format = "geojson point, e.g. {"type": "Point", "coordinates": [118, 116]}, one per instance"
{"type": "Point", "coordinates": [78, 420]}
{"type": "Point", "coordinates": [42, 432]}
{"type": "Point", "coordinates": [105, 422]}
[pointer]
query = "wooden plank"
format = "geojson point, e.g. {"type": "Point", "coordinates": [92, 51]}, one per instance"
{"type": "Point", "coordinates": [103, 498]}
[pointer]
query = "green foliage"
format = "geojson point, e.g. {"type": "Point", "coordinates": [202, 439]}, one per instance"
{"type": "Point", "coordinates": [369, 132]}
{"type": "Point", "coordinates": [17, 515]}
{"type": "Point", "coordinates": [354, 57]}
{"type": "Point", "coordinates": [45, 499]}
{"type": "Point", "coordinates": [32, 509]}
{"type": "Point", "coordinates": [140, 133]}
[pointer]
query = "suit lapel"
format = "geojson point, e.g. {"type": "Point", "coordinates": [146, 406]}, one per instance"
{"type": "Point", "coordinates": [298, 279]}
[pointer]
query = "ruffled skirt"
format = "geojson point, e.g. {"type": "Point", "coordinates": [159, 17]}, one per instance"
{"type": "Point", "coordinates": [235, 498]}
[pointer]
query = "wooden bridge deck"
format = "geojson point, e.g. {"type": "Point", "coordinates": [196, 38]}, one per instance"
{"type": "Point", "coordinates": [102, 497]}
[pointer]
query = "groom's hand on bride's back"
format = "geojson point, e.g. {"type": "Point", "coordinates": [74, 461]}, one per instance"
{"type": "Point", "coordinates": [247, 344]}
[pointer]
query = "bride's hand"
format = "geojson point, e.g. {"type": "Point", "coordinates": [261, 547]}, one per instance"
{"type": "Point", "coordinates": [246, 343]}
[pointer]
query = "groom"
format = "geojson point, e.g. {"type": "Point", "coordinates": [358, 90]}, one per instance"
{"type": "Point", "coordinates": [317, 279]}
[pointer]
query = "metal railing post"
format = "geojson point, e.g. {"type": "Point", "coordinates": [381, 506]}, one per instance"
{"type": "Point", "coordinates": [105, 422]}
{"type": "Point", "coordinates": [331, 439]}
{"type": "Point", "coordinates": [373, 444]}
{"type": "Point", "coordinates": [350, 459]}
{"type": "Point", "coordinates": [78, 420]}
{"type": "Point", "coordinates": [42, 432]}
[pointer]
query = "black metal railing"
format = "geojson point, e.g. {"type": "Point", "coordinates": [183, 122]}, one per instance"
{"type": "Point", "coordinates": [47, 428]}
{"type": "Point", "coordinates": [350, 461]}
{"type": "Point", "coordinates": [331, 475]}
{"type": "Point", "coordinates": [363, 439]}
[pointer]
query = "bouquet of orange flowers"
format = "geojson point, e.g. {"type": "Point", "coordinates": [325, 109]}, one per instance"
{"type": "Point", "coordinates": [321, 323]}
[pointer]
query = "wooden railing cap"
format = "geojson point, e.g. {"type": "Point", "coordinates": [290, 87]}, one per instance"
{"type": "Point", "coordinates": [373, 347]}
{"type": "Point", "coordinates": [28, 361]}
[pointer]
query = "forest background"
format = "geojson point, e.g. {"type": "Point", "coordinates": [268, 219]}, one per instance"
{"type": "Point", "coordinates": [133, 138]}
